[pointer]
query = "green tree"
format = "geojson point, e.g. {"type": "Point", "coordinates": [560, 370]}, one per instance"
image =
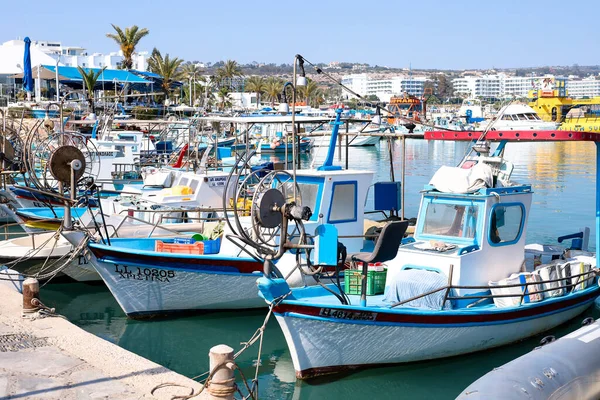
{"type": "Point", "coordinates": [127, 41]}
{"type": "Point", "coordinates": [167, 68]}
{"type": "Point", "coordinates": [224, 101]}
{"type": "Point", "coordinates": [192, 74]}
{"type": "Point", "coordinates": [311, 93]}
{"type": "Point", "coordinates": [443, 86]}
{"type": "Point", "coordinates": [90, 77]}
{"type": "Point", "coordinates": [228, 71]}
{"type": "Point", "coordinates": [273, 88]}
{"type": "Point", "coordinates": [258, 85]}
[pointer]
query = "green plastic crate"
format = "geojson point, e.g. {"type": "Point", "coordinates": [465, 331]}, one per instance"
{"type": "Point", "coordinates": [375, 281]}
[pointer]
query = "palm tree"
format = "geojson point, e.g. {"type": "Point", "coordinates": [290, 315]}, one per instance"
{"type": "Point", "coordinates": [223, 98]}
{"type": "Point", "coordinates": [258, 85]}
{"type": "Point", "coordinates": [310, 92]}
{"type": "Point", "coordinates": [166, 67]}
{"type": "Point", "coordinates": [228, 71]}
{"type": "Point", "coordinates": [273, 88]}
{"type": "Point", "coordinates": [127, 41]}
{"type": "Point", "coordinates": [190, 70]}
{"type": "Point", "coordinates": [192, 73]}
{"type": "Point", "coordinates": [90, 77]}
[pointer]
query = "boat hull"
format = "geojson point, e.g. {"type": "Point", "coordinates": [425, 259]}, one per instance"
{"type": "Point", "coordinates": [161, 285]}
{"type": "Point", "coordinates": [321, 345]}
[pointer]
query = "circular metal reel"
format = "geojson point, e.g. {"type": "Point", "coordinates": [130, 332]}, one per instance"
{"type": "Point", "coordinates": [268, 214]}
{"type": "Point", "coordinates": [60, 163]}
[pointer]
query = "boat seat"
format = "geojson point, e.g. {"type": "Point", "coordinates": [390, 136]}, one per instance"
{"type": "Point", "coordinates": [386, 248]}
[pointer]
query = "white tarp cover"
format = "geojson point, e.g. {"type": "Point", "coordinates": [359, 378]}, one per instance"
{"type": "Point", "coordinates": [460, 180]}
{"type": "Point", "coordinates": [11, 58]}
{"type": "Point", "coordinates": [409, 283]}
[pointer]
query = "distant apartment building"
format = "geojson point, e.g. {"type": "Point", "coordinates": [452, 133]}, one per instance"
{"type": "Point", "coordinates": [384, 88]}
{"type": "Point", "coordinates": [503, 86]}
{"type": "Point", "coordinates": [586, 87]}
{"type": "Point", "coordinates": [485, 86]}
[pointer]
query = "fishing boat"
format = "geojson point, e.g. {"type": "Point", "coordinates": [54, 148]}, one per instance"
{"type": "Point", "coordinates": [158, 276]}
{"type": "Point", "coordinates": [460, 287]}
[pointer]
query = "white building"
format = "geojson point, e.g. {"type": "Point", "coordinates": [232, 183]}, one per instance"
{"type": "Point", "coordinates": [586, 87]}
{"type": "Point", "coordinates": [496, 86]}
{"type": "Point", "coordinates": [78, 56]}
{"type": "Point", "coordinates": [479, 86]}
{"type": "Point", "coordinates": [384, 88]}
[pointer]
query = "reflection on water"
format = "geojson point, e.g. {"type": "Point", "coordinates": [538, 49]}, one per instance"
{"type": "Point", "coordinates": [563, 178]}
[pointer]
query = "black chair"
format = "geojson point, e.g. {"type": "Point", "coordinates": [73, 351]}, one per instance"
{"type": "Point", "coordinates": [386, 248]}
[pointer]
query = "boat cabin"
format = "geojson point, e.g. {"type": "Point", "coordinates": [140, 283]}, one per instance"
{"type": "Point", "coordinates": [481, 235]}
{"type": "Point", "coordinates": [335, 197]}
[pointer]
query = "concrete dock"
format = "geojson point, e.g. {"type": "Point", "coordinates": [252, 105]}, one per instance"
{"type": "Point", "coordinates": [50, 358]}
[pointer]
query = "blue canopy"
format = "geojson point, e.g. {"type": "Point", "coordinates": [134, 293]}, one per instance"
{"type": "Point", "coordinates": [146, 74]}
{"type": "Point", "coordinates": [156, 78]}
{"type": "Point", "coordinates": [108, 75]}
{"type": "Point", "coordinates": [27, 74]}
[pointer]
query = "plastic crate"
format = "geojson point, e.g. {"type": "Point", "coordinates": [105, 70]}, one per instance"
{"type": "Point", "coordinates": [179, 248]}
{"type": "Point", "coordinates": [212, 246]}
{"type": "Point", "coordinates": [188, 246]}
{"type": "Point", "coordinates": [375, 281]}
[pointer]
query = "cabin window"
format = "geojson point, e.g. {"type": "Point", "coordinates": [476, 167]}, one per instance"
{"type": "Point", "coordinates": [554, 113]}
{"type": "Point", "coordinates": [194, 185]}
{"type": "Point", "coordinates": [309, 193]}
{"type": "Point", "coordinates": [506, 223]}
{"type": "Point", "coordinates": [454, 220]}
{"type": "Point", "coordinates": [343, 202]}
{"type": "Point", "coordinates": [183, 182]}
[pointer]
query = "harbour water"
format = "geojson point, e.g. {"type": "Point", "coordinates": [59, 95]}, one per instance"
{"type": "Point", "coordinates": [563, 178]}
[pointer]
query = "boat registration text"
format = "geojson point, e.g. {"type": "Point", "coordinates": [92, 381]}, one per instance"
{"type": "Point", "coordinates": [351, 315]}
{"type": "Point", "coordinates": [143, 274]}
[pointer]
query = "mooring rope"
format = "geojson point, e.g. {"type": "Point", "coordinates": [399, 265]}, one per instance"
{"type": "Point", "coordinates": [230, 364]}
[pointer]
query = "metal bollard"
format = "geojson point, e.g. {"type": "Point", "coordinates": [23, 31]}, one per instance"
{"type": "Point", "coordinates": [31, 290]}
{"type": "Point", "coordinates": [222, 384]}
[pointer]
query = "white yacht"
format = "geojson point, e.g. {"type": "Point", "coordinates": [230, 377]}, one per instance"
{"type": "Point", "coordinates": [519, 117]}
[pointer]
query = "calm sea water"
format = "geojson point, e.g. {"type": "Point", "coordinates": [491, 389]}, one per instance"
{"type": "Point", "coordinates": [563, 178]}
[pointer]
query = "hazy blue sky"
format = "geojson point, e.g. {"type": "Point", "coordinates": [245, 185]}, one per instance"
{"type": "Point", "coordinates": [428, 34]}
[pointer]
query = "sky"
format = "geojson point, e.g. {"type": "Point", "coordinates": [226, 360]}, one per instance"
{"type": "Point", "coordinates": [426, 34]}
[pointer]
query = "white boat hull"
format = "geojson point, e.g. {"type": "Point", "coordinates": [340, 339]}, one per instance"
{"type": "Point", "coordinates": [143, 291]}
{"type": "Point", "coordinates": [319, 346]}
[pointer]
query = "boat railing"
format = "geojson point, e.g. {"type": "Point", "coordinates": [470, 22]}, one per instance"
{"type": "Point", "coordinates": [573, 280]}
{"type": "Point", "coordinates": [155, 222]}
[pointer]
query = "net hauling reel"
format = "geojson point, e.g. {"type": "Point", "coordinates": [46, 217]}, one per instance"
{"type": "Point", "coordinates": [276, 223]}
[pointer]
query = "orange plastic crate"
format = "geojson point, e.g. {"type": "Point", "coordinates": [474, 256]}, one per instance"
{"type": "Point", "coordinates": [195, 248]}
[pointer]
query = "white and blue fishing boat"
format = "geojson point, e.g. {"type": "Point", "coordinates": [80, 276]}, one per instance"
{"type": "Point", "coordinates": [148, 280]}
{"type": "Point", "coordinates": [461, 286]}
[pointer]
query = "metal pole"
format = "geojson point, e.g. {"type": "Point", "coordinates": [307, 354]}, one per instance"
{"type": "Point", "coordinates": [347, 144]}
{"type": "Point", "coordinates": [339, 147]}
{"type": "Point", "coordinates": [57, 82]}
{"type": "Point", "coordinates": [597, 201]}
{"type": "Point", "coordinates": [294, 153]}
{"type": "Point", "coordinates": [403, 176]}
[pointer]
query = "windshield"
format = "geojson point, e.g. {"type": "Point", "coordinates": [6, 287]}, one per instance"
{"type": "Point", "coordinates": [455, 220]}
